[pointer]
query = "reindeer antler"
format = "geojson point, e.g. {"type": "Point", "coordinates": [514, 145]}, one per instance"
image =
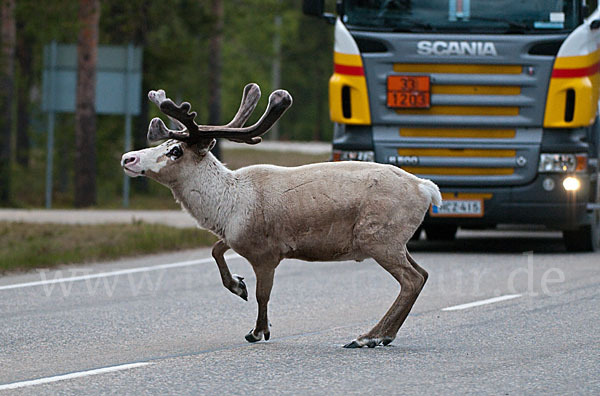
{"type": "Point", "coordinates": [279, 102]}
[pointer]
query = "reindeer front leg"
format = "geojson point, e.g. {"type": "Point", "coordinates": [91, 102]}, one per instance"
{"type": "Point", "coordinates": [264, 284]}
{"type": "Point", "coordinates": [235, 283]}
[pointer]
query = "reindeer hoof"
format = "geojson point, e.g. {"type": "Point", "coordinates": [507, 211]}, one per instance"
{"type": "Point", "coordinates": [250, 337]}
{"type": "Point", "coordinates": [372, 343]}
{"type": "Point", "coordinates": [387, 341]}
{"type": "Point", "coordinates": [241, 289]}
{"type": "Point", "coordinates": [244, 291]}
{"type": "Point", "coordinates": [267, 335]}
{"type": "Point", "coordinates": [353, 344]}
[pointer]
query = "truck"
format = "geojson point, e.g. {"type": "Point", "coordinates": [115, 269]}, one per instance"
{"type": "Point", "coordinates": [494, 101]}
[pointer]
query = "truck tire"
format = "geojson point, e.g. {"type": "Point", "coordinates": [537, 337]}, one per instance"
{"type": "Point", "coordinates": [586, 238]}
{"type": "Point", "coordinates": [417, 235]}
{"type": "Point", "coordinates": [441, 232]}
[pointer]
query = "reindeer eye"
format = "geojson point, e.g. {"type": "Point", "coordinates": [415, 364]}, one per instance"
{"type": "Point", "coordinates": [175, 153]}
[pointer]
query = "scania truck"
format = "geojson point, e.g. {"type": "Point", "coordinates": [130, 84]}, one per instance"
{"type": "Point", "coordinates": [496, 101]}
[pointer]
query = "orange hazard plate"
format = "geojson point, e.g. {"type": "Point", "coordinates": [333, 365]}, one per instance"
{"type": "Point", "coordinates": [408, 92]}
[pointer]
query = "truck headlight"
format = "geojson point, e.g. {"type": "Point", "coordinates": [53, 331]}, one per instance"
{"type": "Point", "coordinates": [343, 155]}
{"type": "Point", "coordinates": [563, 163]}
{"type": "Point", "coordinates": [571, 183]}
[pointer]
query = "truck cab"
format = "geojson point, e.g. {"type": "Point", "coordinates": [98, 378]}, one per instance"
{"type": "Point", "coordinates": [496, 102]}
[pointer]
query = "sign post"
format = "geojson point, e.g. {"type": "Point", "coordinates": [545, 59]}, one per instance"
{"type": "Point", "coordinates": [126, 179]}
{"type": "Point", "coordinates": [50, 140]}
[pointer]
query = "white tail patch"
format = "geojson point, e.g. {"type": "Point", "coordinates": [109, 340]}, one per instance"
{"type": "Point", "coordinates": [429, 188]}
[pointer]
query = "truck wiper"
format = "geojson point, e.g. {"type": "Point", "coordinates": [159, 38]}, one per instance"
{"type": "Point", "coordinates": [411, 26]}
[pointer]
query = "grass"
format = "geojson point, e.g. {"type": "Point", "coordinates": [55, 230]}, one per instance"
{"type": "Point", "coordinates": [29, 246]}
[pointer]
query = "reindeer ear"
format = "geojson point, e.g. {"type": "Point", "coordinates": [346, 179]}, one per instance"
{"type": "Point", "coordinates": [205, 147]}
{"type": "Point", "coordinates": [211, 145]}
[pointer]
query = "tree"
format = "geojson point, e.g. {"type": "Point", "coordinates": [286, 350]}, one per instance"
{"type": "Point", "coordinates": [85, 112]}
{"type": "Point", "coordinates": [214, 68]}
{"type": "Point", "coordinates": [24, 54]}
{"type": "Point", "coordinates": [8, 37]}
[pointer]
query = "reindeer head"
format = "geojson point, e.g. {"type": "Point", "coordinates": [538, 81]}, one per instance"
{"type": "Point", "coordinates": [192, 142]}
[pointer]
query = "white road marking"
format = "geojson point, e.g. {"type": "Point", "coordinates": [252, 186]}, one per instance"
{"type": "Point", "coordinates": [46, 380]}
{"type": "Point", "coordinates": [482, 302]}
{"type": "Point", "coordinates": [116, 273]}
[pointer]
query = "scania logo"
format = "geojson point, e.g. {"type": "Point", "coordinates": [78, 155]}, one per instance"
{"type": "Point", "coordinates": [472, 48]}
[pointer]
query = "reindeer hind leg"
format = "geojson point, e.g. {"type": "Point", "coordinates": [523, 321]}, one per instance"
{"type": "Point", "coordinates": [419, 269]}
{"type": "Point", "coordinates": [411, 283]}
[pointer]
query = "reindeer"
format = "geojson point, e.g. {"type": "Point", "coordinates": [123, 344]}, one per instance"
{"type": "Point", "coordinates": [320, 212]}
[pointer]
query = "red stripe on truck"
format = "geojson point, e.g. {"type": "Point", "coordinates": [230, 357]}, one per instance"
{"type": "Point", "coordinates": [576, 72]}
{"type": "Point", "coordinates": [349, 70]}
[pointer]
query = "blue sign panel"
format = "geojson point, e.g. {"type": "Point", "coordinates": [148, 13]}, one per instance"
{"type": "Point", "coordinates": [118, 79]}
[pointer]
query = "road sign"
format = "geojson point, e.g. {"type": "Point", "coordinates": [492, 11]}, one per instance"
{"type": "Point", "coordinates": [118, 91]}
{"type": "Point", "coordinates": [118, 79]}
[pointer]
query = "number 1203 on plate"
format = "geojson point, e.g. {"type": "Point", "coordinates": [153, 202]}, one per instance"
{"type": "Point", "coordinates": [408, 92]}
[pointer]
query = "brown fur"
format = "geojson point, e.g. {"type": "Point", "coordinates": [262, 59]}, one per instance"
{"type": "Point", "coordinates": [318, 212]}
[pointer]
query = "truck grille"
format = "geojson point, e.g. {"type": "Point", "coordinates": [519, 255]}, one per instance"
{"type": "Point", "coordinates": [484, 126]}
{"type": "Point", "coordinates": [474, 162]}
{"type": "Point", "coordinates": [463, 156]}
{"type": "Point", "coordinates": [452, 95]}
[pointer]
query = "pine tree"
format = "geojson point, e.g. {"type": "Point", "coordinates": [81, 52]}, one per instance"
{"type": "Point", "coordinates": [85, 112]}
{"type": "Point", "coordinates": [8, 39]}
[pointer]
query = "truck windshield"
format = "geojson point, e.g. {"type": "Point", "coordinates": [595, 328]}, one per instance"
{"type": "Point", "coordinates": [498, 16]}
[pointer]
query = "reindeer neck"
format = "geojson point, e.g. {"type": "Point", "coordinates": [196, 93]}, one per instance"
{"type": "Point", "coordinates": [208, 193]}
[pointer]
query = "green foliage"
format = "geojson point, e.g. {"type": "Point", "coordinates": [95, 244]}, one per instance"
{"type": "Point", "coordinates": [28, 189]}
{"type": "Point", "coordinates": [306, 62]}
{"type": "Point", "coordinates": [175, 36]}
{"type": "Point", "coordinates": [29, 246]}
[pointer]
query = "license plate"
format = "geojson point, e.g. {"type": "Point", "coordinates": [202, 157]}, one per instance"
{"type": "Point", "coordinates": [458, 208]}
{"type": "Point", "coordinates": [408, 92]}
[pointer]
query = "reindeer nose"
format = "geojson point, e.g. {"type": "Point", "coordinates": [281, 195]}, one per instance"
{"type": "Point", "coordinates": [130, 159]}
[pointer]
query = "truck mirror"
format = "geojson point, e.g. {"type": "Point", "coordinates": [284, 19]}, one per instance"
{"type": "Point", "coordinates": [585, 11]}
{"type": "Point", "coordinates": [312, 7]}
{"type": "Point", "coordinates": [315, 8]}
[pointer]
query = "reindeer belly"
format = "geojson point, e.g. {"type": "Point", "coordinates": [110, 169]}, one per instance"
{"type": "Point", "coordinates": [316, 229]}
{"type": "Point", "coordinates": [331, 243]}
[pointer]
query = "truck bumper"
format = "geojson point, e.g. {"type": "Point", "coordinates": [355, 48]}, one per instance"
{"type": "Point", "coordinates": [527, 204]}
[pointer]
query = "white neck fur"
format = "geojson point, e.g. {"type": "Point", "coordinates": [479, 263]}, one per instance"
{"type": "Point", "coordinates": [208, 192]}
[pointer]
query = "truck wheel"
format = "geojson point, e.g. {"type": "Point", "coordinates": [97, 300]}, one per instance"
{"type": "Point", "coordinates": [441, 232]}
{"type": "Point", "coordinates": [417, 235]}
{"type": "Point", "coordinates": [586, 238]}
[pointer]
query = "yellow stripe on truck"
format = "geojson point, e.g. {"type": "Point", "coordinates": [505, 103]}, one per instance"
{"type": "Point", "coordinates": [459, 133]}
{"type": "Point", "coordinates": [347, 59]}
{"type": "Point", "coordinates": [463, 110]}
{"type": "Point", "coordinates": [581, 76]}
{"type": "Point", "coordinates": [474, 90]}
{"type": "Point", "coordinates": [438, 152]}
{"type": "Point", "coordinates": [449, 195]}
{"type": "Point", "coordinates": [456, 69]}
{"type": "Point", "coordinates": [349, 77]}
{"type": "Point", "coordinates": [422, 170]}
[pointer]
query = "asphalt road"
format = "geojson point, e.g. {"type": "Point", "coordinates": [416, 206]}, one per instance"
{"type": "Point", "coordinates": [164, 325]}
